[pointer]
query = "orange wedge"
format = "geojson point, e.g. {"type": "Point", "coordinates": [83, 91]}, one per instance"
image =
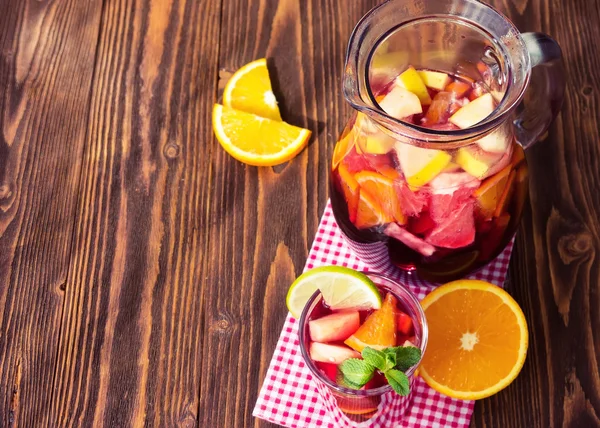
{"type": "Point", "coordinates": [379, 329]}
{"type": "Point", "coordinates": [342, 147]}
{"type": "Point", "coordinates": [351, 190]}
{"type": "Point", "coordinates": [506, 195]}
{"type": "Point", "coordinates": [257, 140]}
{"type": "Point", "coordinates": [490, 191]}
{"type": "Point", "coordinates": [477, 339]}
{"type": "Point", "coordinates": [369, 212]}
{"type": "Point", "coordinates": [249, 90]}
{"type": "Point", "coordinates": [383, 188]}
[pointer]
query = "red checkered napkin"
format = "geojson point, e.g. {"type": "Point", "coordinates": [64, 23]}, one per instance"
{"type": "Point", "coordinates": [289, 397]}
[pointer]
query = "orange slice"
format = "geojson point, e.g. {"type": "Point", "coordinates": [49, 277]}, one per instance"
{"type": "Point", "coordinates": [369, 212]}
{"type": "Point", "coordinates": [506, 195]}
{"type": "Point", "coordinates": [379, 329]}
{"type": "Point", "coordinates": [257, 140]}
{"type": "Point", "coordinates": [249, 90]}
{"type": "Point", "coordinates": [342, 147]}
{"type": "Point", "coordinates": [490, 191]}
{"type": "Point", "coordinates": [351, 190]}
{"type": "Point", "coordinates": [383, 188]}
{"type": "Point", "coordinates": [477, 339]}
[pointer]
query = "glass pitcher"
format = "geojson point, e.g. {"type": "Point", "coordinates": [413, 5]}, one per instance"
{"type": "Point", "coordinates": [429, 174]}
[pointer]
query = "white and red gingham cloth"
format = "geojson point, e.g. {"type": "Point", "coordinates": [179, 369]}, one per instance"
{"type": "Point", "coordinates": [288, 397]}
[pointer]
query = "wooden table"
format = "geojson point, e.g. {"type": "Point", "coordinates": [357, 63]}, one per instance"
{"type": "Point", "coordinates": [143, 271]}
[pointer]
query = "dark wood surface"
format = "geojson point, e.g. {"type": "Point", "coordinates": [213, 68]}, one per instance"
{"type": "Point", "coordinates": [143, 270]}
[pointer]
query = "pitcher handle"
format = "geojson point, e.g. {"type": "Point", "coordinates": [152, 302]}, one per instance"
{"type": "Point", "coordinates": [544, 96]}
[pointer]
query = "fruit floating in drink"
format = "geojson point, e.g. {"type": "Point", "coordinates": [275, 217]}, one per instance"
{"type": "Point", "coordinates": [360, 350]}
{"type": "Point", "coordinates": [441, 211]}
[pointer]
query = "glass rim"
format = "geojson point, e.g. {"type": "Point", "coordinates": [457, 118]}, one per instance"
{"type": "Point", "coordinates": [418, 135]}
{"type": "Point", "coordinates": [367, 392]}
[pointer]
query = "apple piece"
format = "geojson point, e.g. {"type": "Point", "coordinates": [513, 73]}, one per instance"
{"type": "Point", "coordinates": [434, 79]}
{"type": "Point", "coordinates": [408, 239]}
{"type": "Point", "coordinates": [474, 112]}
{"type": "Point", "coordinates": [334, 354]}
{"type": "Point", "coordinates": [495, 142]}
{"type": "Point", "coordinates": [411, 80]}
{"type": "Point", "coordinates": [400, 103]}
{"type": "Point", "coordinates": [338, 326]}
{"type": "Point", "coordinates": [420, 165]}
{"type": "Point", "coordinates": [378, 144]}
{"type": "Point", "coordinates": [476, 161]}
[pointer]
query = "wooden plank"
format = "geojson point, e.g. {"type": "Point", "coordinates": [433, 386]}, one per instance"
{"type": "Point", "coordinates": [267, 217]}
{"type": "Point", "coordinates": [47, 52]}
{"type": "Point", "coordinates": [554, 270]}
{"type": "Point", "coordinates": [133, 323]}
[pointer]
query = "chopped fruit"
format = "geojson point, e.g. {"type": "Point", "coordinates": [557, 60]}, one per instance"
{"type": "Point", "coordinates": [450, 190]}
{"type": "Point", "coordinates": [400, 103]}
{"type": "Point", "coordinates": [412, 203]}
{"type": "Point", "coordinates": [381, 164]}
{"type": "Point", "coordinates": [522, 188]}
{"type": "Point", "coordinates": [421, 165]}
{"type": "Point", "coordinates": [421, 224]}
{"type": "Point", "coordinates": [379, 329]}
{"type": "Point", "coordinates": [410, 240]}
{"type": "Point", "coordinates": [356, 161]}
{"type": "Point", "coordinates": [351, 190]}
{"type": "Point", "coordinates": [344, 145]}
{"type": "Point", "coordinates": [494, 238]}
{"type": "Point", "coordinates": [473, 326]}
{"type": "Point", "coordinates": [369, 212]}
{"type": "Point", "coordinates": [434, 79]}
{"type": "Point", "coordinates": [496, 142]}
{"type": "Point", "coordinates": [405, 325]}
{"type": "Point", "coordinates": [249, 90]}
{"type": "Point", "coordinates": [439, 110]}
{"type": "Point", "coordinates": [518, 156]}
{"type": "Point", "coordinates": [459, 88]}
{"type": "Point", "coordinates": [378, 144]}
{"type": "Point", "coordinates": [474, 112]}
{"type": "Point", "coordinates": [457, 230]}
{"type": "Point", "coordinates": [333, 354]}
{"type": "Point", "coordinates": [500, 164]}
{"type": "Point", "coordinates": [338, 326]}
{"type": "Point", "coordinates": [489, 192]}
{"type": "Point", "coordinates": [329, 370]}
{"type": "Point", "coordinates": [256, 140]}
{"type": "Point", "coordinates": [475, 161]}
{"type": "Point", "coordinates": [411, 80]}
{"type": "Point", "coordinates": [452, 167]}
{"type": "Point", "coordinates": [382, 187]}
{"type": "Point", "coordinates": [505, 198]}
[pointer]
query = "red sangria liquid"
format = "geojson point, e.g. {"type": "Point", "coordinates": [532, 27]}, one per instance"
{"type": "Point", "coordinates": [330, 337]}
{"type": "Point", "coordinates": [443, 213]}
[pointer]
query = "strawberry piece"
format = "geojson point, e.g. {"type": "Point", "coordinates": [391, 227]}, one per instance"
{"type": "Point", "coordinates": [411, 241]}
{"type": "Point", "coordinates": [338, 326]}
{"type": "Point", "coordinates": [457, 230]}
{"type": "Point", "coordinates": [404, 324]}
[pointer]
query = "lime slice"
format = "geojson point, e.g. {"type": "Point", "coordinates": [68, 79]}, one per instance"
{"type": "Point", "coordinates": [341, 287]}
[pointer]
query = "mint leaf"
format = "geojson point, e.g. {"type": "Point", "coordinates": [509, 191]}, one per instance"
{"type": "Point", "coordinates": [406, 357]}
{"type": "Point", "coordinates": [342, 381]}
{"type": "Point", "coordinates": [398, 381]}
{"type": "Point", "coordinates": [357, 372]}
{"type": "Point", "coordinates": [390, 360]}
{"type": "Point", "coordinates": [374, 357]}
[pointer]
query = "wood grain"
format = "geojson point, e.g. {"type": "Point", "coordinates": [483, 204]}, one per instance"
{"type": "Point", "coordinates": [47, 59]}
{"type": "Point", "coordinates": [143, 271]}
